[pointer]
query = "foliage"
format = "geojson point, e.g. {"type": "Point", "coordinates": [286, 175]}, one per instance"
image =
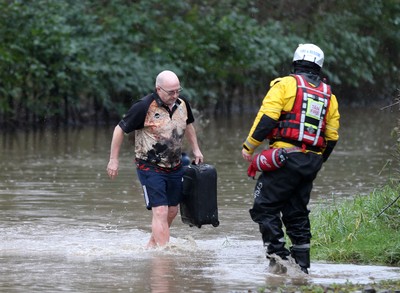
{"type": "Point", "coordinates": [396, 132]}
{"type": "Point", "coordinates": [71, 61]}
{"type": "Point", "coordinates": [364, 229]}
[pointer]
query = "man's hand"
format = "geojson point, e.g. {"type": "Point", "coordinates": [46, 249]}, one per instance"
{"type": "Point", "coordinates": [112, 168]}
{"type": "Point", "coordinates": [198, 157]}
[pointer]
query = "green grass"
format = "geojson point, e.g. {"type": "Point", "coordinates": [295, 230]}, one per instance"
{"type": "Point", "coordinates": [383, 286]}
{"type": "Point", "coordinates": [362, 230]}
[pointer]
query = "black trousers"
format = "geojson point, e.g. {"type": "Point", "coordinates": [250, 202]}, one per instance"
{"type": "Point", "coordinates": [281, 198]}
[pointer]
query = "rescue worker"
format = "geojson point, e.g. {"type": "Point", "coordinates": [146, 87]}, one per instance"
{"type": "Point", "coordinates": [299, 116]}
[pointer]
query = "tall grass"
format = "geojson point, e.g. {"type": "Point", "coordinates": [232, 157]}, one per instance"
{"type": "Point", "coordinates": [364, 229]}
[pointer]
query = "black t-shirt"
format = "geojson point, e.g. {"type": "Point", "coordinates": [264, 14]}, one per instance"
{"type": "Point", "coordinates": [135, 117]}
{"type": "Point", "coordinates": [158, 130]}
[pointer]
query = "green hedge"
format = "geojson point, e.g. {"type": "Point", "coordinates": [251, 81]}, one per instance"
{"type": "Point", "coordinates": [68, 61]}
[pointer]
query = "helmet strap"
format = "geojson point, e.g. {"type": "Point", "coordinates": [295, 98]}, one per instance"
{"type": "Point", "coordinates": [307, 67]}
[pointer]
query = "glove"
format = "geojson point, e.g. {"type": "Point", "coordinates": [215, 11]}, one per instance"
{"type": "Point", "coordinates": [252, 170]}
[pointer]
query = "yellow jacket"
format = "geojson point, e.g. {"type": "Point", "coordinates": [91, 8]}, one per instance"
{"type": "Point", "coordinates": [281, 97]}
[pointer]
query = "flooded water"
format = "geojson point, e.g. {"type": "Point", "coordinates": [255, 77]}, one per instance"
{"type": "Point", "coordinates": [65, 227]}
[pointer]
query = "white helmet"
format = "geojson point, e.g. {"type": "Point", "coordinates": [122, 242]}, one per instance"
{"type": "Point", "coordinates": [309, 52]}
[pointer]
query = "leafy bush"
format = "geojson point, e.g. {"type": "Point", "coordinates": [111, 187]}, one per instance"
{"type": "Point", "coordinates": [72, 61]}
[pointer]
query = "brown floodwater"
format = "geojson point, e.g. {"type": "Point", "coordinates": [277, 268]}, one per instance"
{"type": "Point", "coordinates": [65, 227]}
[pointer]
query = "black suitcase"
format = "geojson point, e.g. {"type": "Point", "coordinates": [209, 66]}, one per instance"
{"type": "Point", "coordinates": [199, 203]}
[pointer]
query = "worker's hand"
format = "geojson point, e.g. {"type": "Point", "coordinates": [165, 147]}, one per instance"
{"type": "Point", "coordinates": [248, 157]}
{"type": "Point", "coordinates": [112, 168]}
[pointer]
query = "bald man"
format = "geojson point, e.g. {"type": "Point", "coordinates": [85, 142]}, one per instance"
{"type": "Point", "coordinates": [160, 121]}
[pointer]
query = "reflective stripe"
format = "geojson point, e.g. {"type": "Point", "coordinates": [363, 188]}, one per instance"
{"type": "Point", "coordinates": [273, 159]}
{"type": "Point", "coordinates": [306, 245]}
{"type": "Point", "coordinates": [258, 163]}
{"type": "Point", "coordinates": [281, 240]}
{"type": "Point", "coordinates": [146, 197]}
{"type": "Point", "coordinates": [325, 88]}
{"type": "Point", "coordinates": [302, 82]}
{"type": "Point", "coordinates": [308, 137]}
{"type": "Point", "coordinates": [250, 146]}
{"type": "Point", "coordinates": [303, 117]}
{"type": "Point", "coordinates": [325, 92]}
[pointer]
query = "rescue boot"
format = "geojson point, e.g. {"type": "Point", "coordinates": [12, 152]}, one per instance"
{"type": "Point", "coordinates": [302, 257]}
{"type": "Point", "coordinates": [276, 264]}
{"type": "Point", "coordinates": [277, 255]}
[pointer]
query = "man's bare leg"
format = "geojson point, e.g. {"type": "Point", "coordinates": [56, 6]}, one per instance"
{"type": "Point", "coordinates": [152, 243]}
{"type": "Point", "coordinates": [172, 212]}
{"type": "Point", "coordinates": [160, 226]}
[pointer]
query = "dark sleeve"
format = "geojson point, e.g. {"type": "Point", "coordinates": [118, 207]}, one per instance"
{"type": "Point", "coordinates": [136, 115]}
{"type": "Point", "coordinates": [263, 128]}
{"type": "Point", "coordinates": [190, 117]}
{"type": "Point", "coordinates": [330, 145]}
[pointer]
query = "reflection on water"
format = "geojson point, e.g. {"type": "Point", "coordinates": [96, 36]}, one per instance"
{"type": "Point", "coordinates": [65, 226]}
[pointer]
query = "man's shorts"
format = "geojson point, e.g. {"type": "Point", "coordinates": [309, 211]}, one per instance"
{"type": "Point", "coordinates": [161, 188]}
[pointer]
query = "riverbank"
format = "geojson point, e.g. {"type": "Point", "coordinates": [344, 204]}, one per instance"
{"type": "Point", "coordinates": [361, 230]}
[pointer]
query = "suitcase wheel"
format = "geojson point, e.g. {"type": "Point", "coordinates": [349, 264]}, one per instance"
{"type": "Point", "coordinates": [216, 224]}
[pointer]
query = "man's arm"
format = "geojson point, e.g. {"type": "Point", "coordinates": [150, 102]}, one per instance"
{"type": "Point", "coordinates": [192, 139]}
{"type": "Point", "coordinates": [117, 139]}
